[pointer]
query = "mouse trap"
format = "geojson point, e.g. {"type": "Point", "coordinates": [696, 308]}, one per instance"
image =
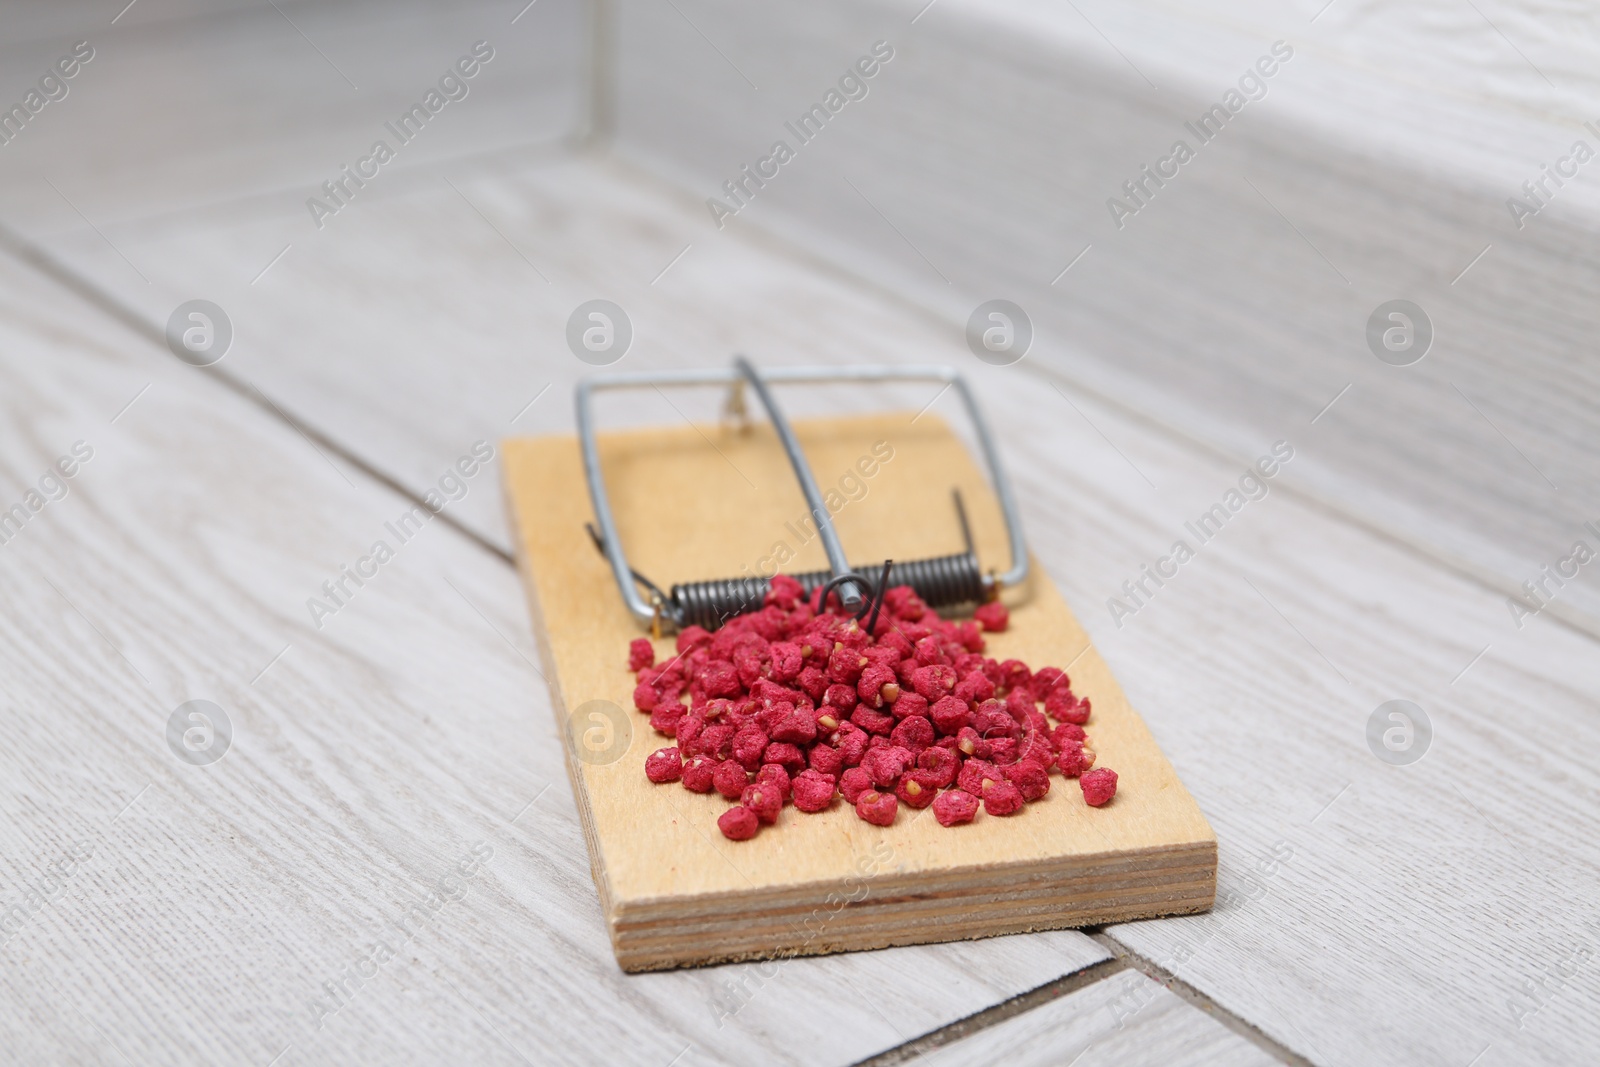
{"type": "Point", "coordinates": [648, 532]}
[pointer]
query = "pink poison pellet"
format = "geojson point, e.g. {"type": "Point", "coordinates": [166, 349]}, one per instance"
{"type": "Point", "coordinates": [1099, 786]}
{"type": "Point", "coordinates": [877, 808]}
{"type": "Point", "coordinates": [993, 616]}
{"type": "Point", "coordinates": [954, 806]}
{"type": "Point", "coordinates": [738, 823]}
{"type": "Point", "coordinates": [792, 703]}
{"type": "Point", "coordinates": [663, 765]}
{"type": "Point", "coordinates": [1003, 799]}
{"type": "Point", "coordinates": [855, 782]}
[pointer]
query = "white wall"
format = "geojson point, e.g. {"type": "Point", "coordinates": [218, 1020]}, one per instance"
{"type": "Point", "coordinates": [189, 104]}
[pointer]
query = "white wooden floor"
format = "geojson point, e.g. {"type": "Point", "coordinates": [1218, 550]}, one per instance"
{"type": "Point", "coordinates": [1437, 913]}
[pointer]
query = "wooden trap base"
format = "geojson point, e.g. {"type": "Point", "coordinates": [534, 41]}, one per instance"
{"type": "Point", "coordinates": [693, 505]}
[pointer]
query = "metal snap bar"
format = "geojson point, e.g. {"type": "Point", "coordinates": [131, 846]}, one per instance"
{"type": "Point", "coordinates": [941, 581]}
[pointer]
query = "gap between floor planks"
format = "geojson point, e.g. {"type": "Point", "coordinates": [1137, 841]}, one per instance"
{"type": "Point", "coordinates": [52, 268]}
{"type": "Point", "coordinates": [1123, 957]}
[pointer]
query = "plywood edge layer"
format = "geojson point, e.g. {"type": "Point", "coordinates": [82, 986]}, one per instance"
{"type": "Point", "coordinates": [1048, 876]}
{"type": "Point", "coordinates": [1195, 887]}
{"type": "Point", "coordinates": [635, 957]}
{"type": "Point", "coordinates": [1180, 882]}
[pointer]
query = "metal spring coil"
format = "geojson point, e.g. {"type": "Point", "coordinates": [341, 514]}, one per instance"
{"type": "Point", "coordinates": [943, 581]}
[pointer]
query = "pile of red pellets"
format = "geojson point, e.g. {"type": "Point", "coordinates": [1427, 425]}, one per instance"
{"type": "Point", "coordinates": [789, 704]}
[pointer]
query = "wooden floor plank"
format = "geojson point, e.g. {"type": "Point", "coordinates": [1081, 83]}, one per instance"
{"type": "Point", "coordinates": [391, 817]}
{"type": "Point", "coordinates": [1366, 908]}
